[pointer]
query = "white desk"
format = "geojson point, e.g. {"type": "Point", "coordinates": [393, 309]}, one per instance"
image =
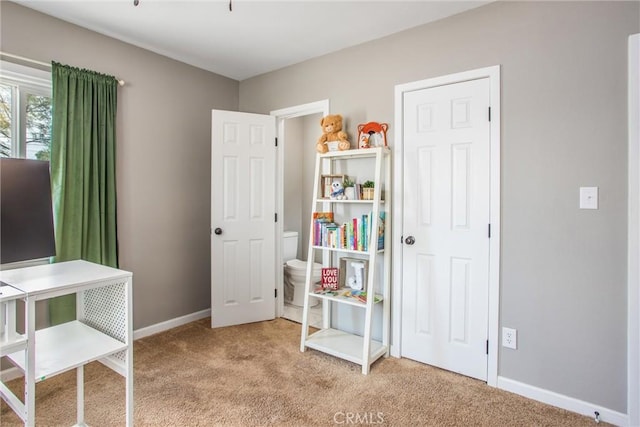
{"type": "Point", "coordinates": [102, 329]}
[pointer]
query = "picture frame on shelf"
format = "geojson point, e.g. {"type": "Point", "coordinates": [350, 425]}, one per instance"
{"type": "Point", "coordinates": [353, 273]}
{"type": "Point", "coordinates": [372, 134]}
{"type": "Point", "coordinates": [326, 181]}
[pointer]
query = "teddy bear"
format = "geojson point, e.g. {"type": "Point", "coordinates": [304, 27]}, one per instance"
{"type": "Point", "coordinates": [337, 191]}
{"type": "Point", "coordinates": [332, 131]}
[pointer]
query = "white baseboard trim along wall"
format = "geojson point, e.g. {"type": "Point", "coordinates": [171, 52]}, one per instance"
{"type": "Point", "coordinates": [563, 402]}
{"type": "Point", "coordinates": [170, 324]}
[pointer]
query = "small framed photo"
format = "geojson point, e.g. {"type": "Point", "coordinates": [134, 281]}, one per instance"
{"type": "Point", "coordinates": [326, 181]}
{"type": "Point", "coordinates": [353, 273]}
{"type": "Point", "coordinates": [372, 134]}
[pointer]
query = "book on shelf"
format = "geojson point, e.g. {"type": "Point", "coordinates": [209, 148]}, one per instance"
{"type": "Point", "coordinates": [381, 225]}
{"type": "Point", "coordinates": [362, 296]}
{"type": "Point", "coordinates": [329, 278]}
{"type": "Point", "coordinates": [347, 294]}
{"type": "Point", "coordinates": [319, 219]}
{"type": "Point", "coordinates": [358, 191]}
{"type": "Point", "coordinates": [355, 234]}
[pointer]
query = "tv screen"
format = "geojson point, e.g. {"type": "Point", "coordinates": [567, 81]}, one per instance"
{"type": "Point", "coordinates": [26, 218]}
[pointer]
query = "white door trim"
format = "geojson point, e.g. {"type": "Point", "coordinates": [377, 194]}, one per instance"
{"type": "Point", "coordinates": [493, 73]}
{"type": "Point", "coordinates": [633, 251]}
{"type": "Point", "coordinates": [281, 115]}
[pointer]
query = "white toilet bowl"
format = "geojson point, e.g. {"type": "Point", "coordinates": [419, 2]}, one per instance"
{"type": "Point", "coordinates": [295, 276]}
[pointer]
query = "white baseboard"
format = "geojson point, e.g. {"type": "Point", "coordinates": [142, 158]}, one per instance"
{"type": "Point", "coordinates": [562, 401]}
{"type": "Point", "coordinates": [169, 324]}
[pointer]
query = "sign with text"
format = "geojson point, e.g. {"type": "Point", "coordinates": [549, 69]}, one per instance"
{"type": "Point", "coordinates": [330, 278]}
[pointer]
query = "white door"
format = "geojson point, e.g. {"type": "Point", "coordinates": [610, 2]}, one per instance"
{"type": "Point", "coordinates": [243, 228]}
{"type": "Point", "coordinates": [445, 227]}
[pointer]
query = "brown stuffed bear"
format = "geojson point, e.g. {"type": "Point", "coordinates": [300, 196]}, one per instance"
{"type": "Point", "coordinates": [332, 131]}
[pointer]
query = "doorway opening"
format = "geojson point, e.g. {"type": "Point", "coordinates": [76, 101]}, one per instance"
{"type": "Point", "coordinates": [297, 129]}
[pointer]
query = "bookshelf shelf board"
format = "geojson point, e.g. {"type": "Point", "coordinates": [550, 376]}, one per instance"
{"type": "Point", "coordinates": [355, 153]}
{"type": "Point", "coordinates": [357, 201]}
{"type": "Point", "coordinates": [351, 251]}
{"type": "Point", "coordinates": [345, 299]}
{"type": "Point", "coordinates": [344, 345]}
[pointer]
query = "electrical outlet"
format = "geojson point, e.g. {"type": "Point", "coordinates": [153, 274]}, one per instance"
{"type": "Point", "coordinates": [510, 338]}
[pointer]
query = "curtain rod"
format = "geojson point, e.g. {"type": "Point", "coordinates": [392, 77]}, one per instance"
{"type": "Point", "coordinates": [44, 64]}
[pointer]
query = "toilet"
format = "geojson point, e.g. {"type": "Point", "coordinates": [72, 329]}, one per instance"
{"type": "Point", "coordinates": [295, 271]}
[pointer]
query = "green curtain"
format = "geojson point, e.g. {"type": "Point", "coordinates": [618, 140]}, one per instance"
{"type": "Point", "coordinates": [83, 172]}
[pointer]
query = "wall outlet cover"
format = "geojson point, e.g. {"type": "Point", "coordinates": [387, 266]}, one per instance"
{"type": "Point", "coordinates": [510, 338]}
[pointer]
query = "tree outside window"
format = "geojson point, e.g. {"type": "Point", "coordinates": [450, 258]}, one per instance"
{"type": "Point", "coordinates": [25, 121]}
{"type": "Point", "coordinates": [5, 121]}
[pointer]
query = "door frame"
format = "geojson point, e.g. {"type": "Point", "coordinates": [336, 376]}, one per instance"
{"type": "Point", "coordinates": [318, 107]}
{"type": "Point", "coordinates": [493, 73]}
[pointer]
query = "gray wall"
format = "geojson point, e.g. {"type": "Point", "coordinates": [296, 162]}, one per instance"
{"type": "Point", "coordinates": [299, 165]}
{"type": "Point", "coordinates": [563, 281]}
{"type": "Point", "coordinates": [163, 156]}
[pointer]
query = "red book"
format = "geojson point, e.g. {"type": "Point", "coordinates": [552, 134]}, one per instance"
{"type": "Point", "coordinates": [329, 278]}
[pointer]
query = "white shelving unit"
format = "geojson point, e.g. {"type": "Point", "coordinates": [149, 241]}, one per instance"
{"type": "Point", "coordinates": [102, 329]}
{"type": "Point", "coordinates": [360, 349]}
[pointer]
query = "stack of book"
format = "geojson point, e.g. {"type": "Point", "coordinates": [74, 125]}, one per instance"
{"type": "Point", "coordinates": [352, 235]}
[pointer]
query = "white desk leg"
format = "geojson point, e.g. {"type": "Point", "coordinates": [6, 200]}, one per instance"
{"type": "Point", "coordinates": [30, 371]}
{"type": "Point", "coordinates": [80, 395]}
{"type": "Point", "coordinates": [129, 387]}
{"type": "Point", "coordinates": [129, 353]}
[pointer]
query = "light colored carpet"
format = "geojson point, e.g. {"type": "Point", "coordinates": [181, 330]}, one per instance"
{"type": "Point", "coordinates": [255, 375]}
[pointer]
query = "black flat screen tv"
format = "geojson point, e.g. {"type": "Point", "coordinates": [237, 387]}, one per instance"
{"type": "Point", "coordinates": [26, 217]}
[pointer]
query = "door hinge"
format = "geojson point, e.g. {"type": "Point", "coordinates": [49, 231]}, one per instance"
{"type": "Point", "coordinates": [275, 294]}
{"type": "Point", "coordinates": [489, 113]}
{"type": "Point", "coordinates": [276, 217]}
{"type": "Point", "coordinates": [489, 231]}
{"type": "Point", "coordinates": [276, 142]}
{"type": "Point", "coordinates": [487, 346]}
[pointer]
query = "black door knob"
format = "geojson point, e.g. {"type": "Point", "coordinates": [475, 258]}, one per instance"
{"type": "Point", "coordinates": [218, 231]}
{"type": "Point", "coordinates": [410, 240]}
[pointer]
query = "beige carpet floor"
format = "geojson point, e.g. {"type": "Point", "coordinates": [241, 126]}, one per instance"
{"type": "Point", "coordinates": [255, 375]}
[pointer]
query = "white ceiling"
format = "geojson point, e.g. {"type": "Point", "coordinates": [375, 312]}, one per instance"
{"type": "Point", "coordinates": [256, 37]}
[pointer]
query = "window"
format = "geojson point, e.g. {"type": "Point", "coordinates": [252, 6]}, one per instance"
{"type": "Point", "coordinates": [25, 112]}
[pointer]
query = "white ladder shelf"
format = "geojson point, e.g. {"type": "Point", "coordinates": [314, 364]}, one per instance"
{"type": "Point", "coordinates": [360, 349]}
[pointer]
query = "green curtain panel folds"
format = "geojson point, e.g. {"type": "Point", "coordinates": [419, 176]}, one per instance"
{"type": "Point", "coordinates": [83, 172]}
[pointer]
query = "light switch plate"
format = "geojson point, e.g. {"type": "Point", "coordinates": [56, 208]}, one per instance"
{"type": "Point", "coordinates": [588, 197]}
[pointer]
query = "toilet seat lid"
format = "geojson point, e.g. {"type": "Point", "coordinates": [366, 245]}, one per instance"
{"type": "Point", "coordinates": [298, 264]}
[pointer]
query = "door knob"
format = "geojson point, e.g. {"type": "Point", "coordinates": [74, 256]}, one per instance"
{"type": "Point", "coordinates": [410, 240]}
{"type": "Point", "coordinates": [218, 231]}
